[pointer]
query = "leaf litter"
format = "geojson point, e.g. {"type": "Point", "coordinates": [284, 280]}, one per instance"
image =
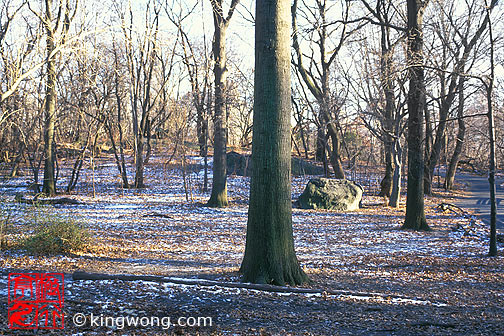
{"type": "Point", "coordinates": [422, 283]}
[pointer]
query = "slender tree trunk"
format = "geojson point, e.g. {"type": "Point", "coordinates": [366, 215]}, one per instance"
{"type": "Point", "coordinates": [202, 130]}
{"type": "Point", "coordinates": [459, 145]}
{"type": "Point", "coordinates": [148, 138]}
{"type": "Point", "coordinates": [19, 152]}
{"type": "Point", "coordinates": [491, 175]}
{"type": "Point", "coordinates": [335, 155]}
{"type": "Point", "coordinates": [437, 146]}
{"type": "Point", "coordinates": [491, 133]}
{"type": "Point", "coordinates": [139, 161]}
{"type": "Point", "coordinates": [119, 164]}
{"type": "Point", "coordinates": [395, 195]}
{"type": "Point", "coordinates": [218, 197]}
{"type": "Point", "coordinates": [304, 141]}
{"type": "Point", "coordinates": [122, 167]}
{"type": "Point", "coordinates": [448, 98]}
{"type": "Point", "coordinates": [49, 186]}
{"type": "Point", "coordinates": [386, 182]}
{"type": "Point", "coordinates": [388, 89]}
{"type": "Point", "coordinates": [320, 144]}
{"type": "Point", "coordinates": [415, 214]}
{"type": "Point", "coordinates": [269, 252]}
{"type": "Point", "coordinates": [427, 152]}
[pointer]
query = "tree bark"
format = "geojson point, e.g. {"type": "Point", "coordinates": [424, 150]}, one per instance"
{"type": "Point", "coordinates": [218, 197]}
{"type": "Point", "coordinates": [395, 195]}
{"type": "Point", "coordinates": [49, 185]}
{"type": "Point", "coordinates": [415, 214]}
{"type": "Point", "coordinates": [269, 253]}
{"type": "Point", "coordinates": [427, 151]}
{"type": "Point", "coordinates": [320, 144]}
{"type": "Point", "coordinates": [139, 161]}
{"type": "Point", "coordinates": [388, 123]}
{"type": "Point", "coordinates": [335, 154]}
{"type": "Point", "coordinates": [491, 134]}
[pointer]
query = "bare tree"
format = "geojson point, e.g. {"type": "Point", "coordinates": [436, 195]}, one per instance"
{"type": "Point", "coordinates": [198, 69]}
{"type": "Point", "coordinates": [458, 41]}
{"type": "Point", "coordinates": [415, 213]}
{"type": "Point", "coordinates": [318, 74]}
{"type": "Point", "coordinates": [269, 252]}
{"type": "Point", "coordinates": [56, 21]}
{"type": "Point", "coordinates": [142, 53]}
{"type": "Point", "coordinates": [489, 86]}
{"type": "Point", "coordinates": [218, 197]}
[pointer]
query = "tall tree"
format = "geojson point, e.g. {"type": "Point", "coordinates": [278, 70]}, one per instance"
{"type": "Point", "coordinates": [145, 59]}
{"type": "Point", "coordinates": [489, 86]}
{"type": "Point", "coordinates": [389, 116]}
{"type": "Point", "coordinates": [415, 214]}
{"type": "Point", "coordinates": [459, 146]}
{"type": "Point", "coordinates": [269, 252]}
{"type": "Point", "coordinates": [218, 197]}
{"type": "Point", "coordinates": [460, 41]}
{"type": "Point", "coordinates": [56, 21]}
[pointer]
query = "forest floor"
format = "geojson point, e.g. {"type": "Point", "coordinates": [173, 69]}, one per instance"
{"type": "Point", "coordinates": [375, 279]}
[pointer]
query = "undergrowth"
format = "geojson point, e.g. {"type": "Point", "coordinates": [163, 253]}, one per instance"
{"type": "Point", "coordinates": [54, 234]}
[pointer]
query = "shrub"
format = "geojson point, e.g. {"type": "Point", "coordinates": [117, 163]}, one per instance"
{"type": "Point", "coordinates": [56, 235]}
{"type": "Point", "coordinates": [5, 221]}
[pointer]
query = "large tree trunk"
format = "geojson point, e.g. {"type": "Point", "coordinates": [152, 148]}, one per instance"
{"type": "Point", "coordinates": [49, 186]}
{"type": "Point", "coordinates": [269, 252]}
{"type": "Point", "coordinates": [415, 214]}
{"type": "Point", "coordinates": [218, 197]}
{"type": "Point", "coordinates": [459, 146]}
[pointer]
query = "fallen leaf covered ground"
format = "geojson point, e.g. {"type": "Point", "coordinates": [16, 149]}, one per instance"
{"type": "Point", "coordinates": [406, 283]}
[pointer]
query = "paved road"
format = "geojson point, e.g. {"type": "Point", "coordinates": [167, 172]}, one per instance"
{"type": "Point", "coordinates": [479, 199]}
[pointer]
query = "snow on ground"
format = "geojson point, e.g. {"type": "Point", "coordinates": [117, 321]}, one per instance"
{"type": "Point", "coordinates": [165, 230]}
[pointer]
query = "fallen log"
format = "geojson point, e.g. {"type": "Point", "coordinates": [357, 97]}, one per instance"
{"type": "Point", "coordinates": [157, 214]}
{"type": "Point", "coordinates": [434, 324]}
{"type": "Point", "coordinates": [46, 201]}
{"type": "Point", "coordinates": [448, 206]}
{"type": "Point", "coordinates": [259, 287]}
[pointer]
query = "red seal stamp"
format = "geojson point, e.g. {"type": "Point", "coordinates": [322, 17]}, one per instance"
{"type": "Point", "coordinates": [36, 300]}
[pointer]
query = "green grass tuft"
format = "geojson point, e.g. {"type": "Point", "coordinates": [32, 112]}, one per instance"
{"type": "Point", "coordinates": [55, 235]}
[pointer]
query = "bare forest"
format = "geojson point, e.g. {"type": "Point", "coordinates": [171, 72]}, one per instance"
{"type": "Point", "coordinates": [238, 167]}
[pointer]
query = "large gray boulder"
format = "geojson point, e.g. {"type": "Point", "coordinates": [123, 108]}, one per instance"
{"type": "Point", "coordinates": [331, 194]}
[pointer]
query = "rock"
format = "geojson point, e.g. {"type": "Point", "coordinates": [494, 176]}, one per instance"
{"type": "Point", "coordinates": [331, 194]}
{"type": "Point", "coordinates": [304, 167]}
{"type": "Point", "coordinates": [241, 165]}
{"type": "Point", "coordinates": [238, 164]}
